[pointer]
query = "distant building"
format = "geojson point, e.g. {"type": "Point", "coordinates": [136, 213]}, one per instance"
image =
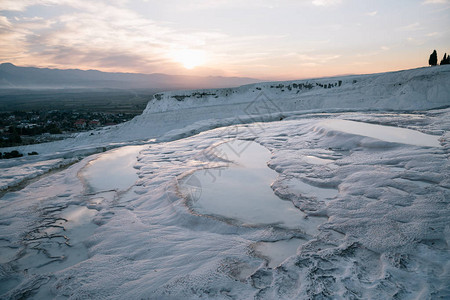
{"type": "Point", "coordinates": [94, 123]}
{"type": "Point", "coordinates": [80, 123]}
{"type": "Point", "coordinates": [27, 125]}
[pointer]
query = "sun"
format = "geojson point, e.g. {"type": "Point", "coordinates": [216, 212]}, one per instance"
{"type": "Point", "coordinates": [189, 58]}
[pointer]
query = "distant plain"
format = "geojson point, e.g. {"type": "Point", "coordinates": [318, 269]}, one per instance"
{"type": "Point", "coordinates": [83, 100]}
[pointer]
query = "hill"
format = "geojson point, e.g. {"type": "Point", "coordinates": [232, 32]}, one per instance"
{"type": "Point", "coordinates": [15, 77]}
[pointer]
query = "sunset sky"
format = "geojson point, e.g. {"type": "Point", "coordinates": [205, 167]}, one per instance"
{"type": "Point", "coordinates": [286, 39]}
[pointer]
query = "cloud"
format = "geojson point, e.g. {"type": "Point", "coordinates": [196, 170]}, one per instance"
{"type": "Point", "coordinates": [100, 35]}
{"type": "Point", "coordinates": [21, 5]}
{"type": "Point", "coordinates": [433, 34]}
{"type": "Point", "coordinates": [317, 58]}
{"type": "Point", "coordinates": [411, 27]}
{"type": "Point", "coordinates": [96, 35]}
{"type": "Point", "coordinates": [4, 22]}
{"type": "Point", "coordinates": [326, 2]}
{"type": "Point", "coordinates": [436, 2]}
{"type": "Point", "coordinates": [414, 41]}
{"type": "Point", "coordinates": [123, 35]}
{"type": "Point", "coordinates": [13, 5]}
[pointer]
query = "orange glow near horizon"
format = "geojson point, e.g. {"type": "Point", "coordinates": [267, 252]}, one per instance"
{"type": "Point", "coordinates": [191, 64]}
{"type": "Point", "coordinates": [189, 58]}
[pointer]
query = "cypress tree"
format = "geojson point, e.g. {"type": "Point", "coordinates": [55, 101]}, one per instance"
{"type": "Point", "coordinates": [445, 60]}
{"type": "Point", "coordinates": [433, 59]}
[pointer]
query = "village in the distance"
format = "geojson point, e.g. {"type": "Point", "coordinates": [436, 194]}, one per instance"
{"type": "Point", "coordinates": [23, 128]}
{"type": "Point", "coordinates": [50, 116]}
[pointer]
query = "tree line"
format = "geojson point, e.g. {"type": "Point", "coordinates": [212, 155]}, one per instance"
{"type": "Point", "coordinates": [433, 60]}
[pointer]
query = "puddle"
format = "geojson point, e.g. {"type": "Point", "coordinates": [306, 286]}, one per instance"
{"type": "Point", "coordinates": [277, 252]}
{"type": "Point", "coordinates": [53, 254]}
{"type": "Point", "coordinates": [113, 170]}
{"type": "Point", "coordinates": [242, 192]}
{"type": "Point", "coordinates": [95, 203]}
{"type": "Point", "coordinates": [77, 216]}
{"type": "Point", "coordinates": [298, 187]}
{"type": "Point", "coordinates": [384, 133]}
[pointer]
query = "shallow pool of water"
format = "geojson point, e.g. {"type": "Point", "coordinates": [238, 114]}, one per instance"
{"type": "Point", "coordinates": [113, 170]}
{"type": "Point", "coordinates": [65, 243]}
{"type": "Point", "coordinates": [381, 132]}
{"type": "Point", "coordinates": [277, 252]}
{"type": "Point", "coordinates": [242, 192]}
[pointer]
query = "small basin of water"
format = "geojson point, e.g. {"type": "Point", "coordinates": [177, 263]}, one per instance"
{"type": "Point", "coordinates": [242, 192]}
{"type": "Point", "coordinates": [382, 132]}
{"type": "Point", "coordinates": [113, 170]}
{"type": "Point", "coordinates": [77, 216]}
{"type": "Point", "coordinates": [277, 252]}
{"type": "Point", "coordinates": [65, 244]}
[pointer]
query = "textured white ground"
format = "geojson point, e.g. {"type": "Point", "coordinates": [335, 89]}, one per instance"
{"type": "Point", "coordinates": [371, 191]}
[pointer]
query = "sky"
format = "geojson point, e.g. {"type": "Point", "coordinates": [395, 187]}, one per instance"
{"type": "Point", "coordinates": [276, 40]}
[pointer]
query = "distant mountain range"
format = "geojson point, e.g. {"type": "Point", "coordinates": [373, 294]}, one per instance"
{"type": "Point", "coordinates": [14, 77]}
